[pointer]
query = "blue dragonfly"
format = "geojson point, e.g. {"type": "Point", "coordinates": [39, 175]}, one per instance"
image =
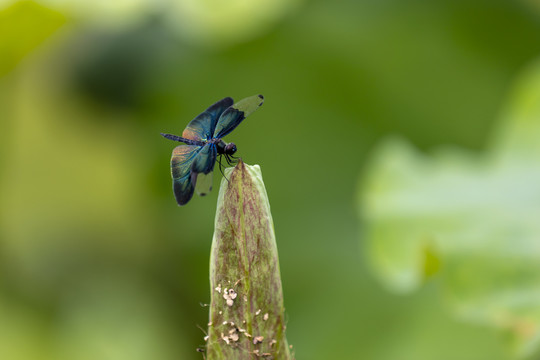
{"type": "Point", "coordinates": [192, 164]}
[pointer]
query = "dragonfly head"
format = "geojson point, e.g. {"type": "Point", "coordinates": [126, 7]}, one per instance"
{"type": "Point", "coordinates": [230, 149]}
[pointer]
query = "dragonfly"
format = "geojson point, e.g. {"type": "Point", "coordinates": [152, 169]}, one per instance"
{"type": "Point", "coordinates": [192, 164]}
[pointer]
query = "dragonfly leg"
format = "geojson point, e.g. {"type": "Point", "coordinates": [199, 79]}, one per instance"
{"type": "Point", "coordinates": [221, 168]}
{"type": "Point", "coordinates": [231, 160]}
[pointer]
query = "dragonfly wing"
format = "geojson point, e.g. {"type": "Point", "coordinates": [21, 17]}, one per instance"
{"type": "Point", "coordinates": [217, 109]}
{"type": "Point", "coordinates": [183, 189]}
{"type": "Point", "coordinates": [234, 115]}
{"type": "Point", "coordinates": [203, 126]}
{"type": "Point", "coordinates": [205, 160]}
{"type": "Point", "coordinates": [181, 162]}
{"type": "Point", "coordinates": [201, 170]}
{"type": "Point", "coordinates": [204, 183]}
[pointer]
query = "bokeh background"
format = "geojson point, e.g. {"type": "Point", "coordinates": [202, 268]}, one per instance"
{"type": "Point", "coordinates": [96, 259]}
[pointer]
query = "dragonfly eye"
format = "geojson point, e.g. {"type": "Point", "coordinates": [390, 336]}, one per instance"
{"type": "Point", "coordinates": [230, 149]}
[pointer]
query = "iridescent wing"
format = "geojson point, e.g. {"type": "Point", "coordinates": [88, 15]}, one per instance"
{"type": "Point", "coordinates": [205, 160]}
{"type": "Point", "coordinates": [181, 162]}
{"type": "Point", "coordinates": [234, 115]}
{"type": "Point", "coordinates": [202, 127]}
{"type": "Point", "coordinates": [201, 170]}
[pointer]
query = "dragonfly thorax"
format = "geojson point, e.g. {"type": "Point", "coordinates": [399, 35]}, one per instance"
{"type": "Point", "coordinates": [224, 148]}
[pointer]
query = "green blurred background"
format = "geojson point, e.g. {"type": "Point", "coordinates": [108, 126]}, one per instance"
{"type": "Point", "coordinates": [96, 259]}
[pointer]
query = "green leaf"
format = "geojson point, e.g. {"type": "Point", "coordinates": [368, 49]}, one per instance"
{"type": "Point", "coordinates": [473, 221]}
{"type": "Point", "coordinates": [246, 311]}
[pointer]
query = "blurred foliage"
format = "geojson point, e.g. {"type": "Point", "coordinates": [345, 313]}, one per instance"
{"type": "Point", "coordinates": [23, 26]}
{"type": "Point", "coordinates": [96, 259]}
{"type": "Point", "coordinates": [478, 216]}
{"type": "Point", "coordinates": [218, 24]}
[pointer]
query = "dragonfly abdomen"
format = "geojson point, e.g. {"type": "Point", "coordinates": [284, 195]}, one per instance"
{"type": "Point", "coordinates": [184, 140]}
